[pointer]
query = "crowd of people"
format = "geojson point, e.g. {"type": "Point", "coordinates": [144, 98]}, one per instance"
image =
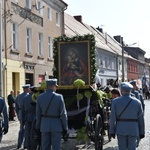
{"type": "Point", "coordinates": [127, 114]}
{"type": "Point", "coordinates": [49, 111]}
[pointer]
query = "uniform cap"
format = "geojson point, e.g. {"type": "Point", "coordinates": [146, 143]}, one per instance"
{"type": "Point", "coordinates": [32, 88]}
{"type": "Point", "coordinates": [26, 86]}
{"type": "Point", "coordinates": [133, 82]}
{"type": "Point", "coordinates": [51, 82]}
{"type": "Point", "coordinates": [126, 86]}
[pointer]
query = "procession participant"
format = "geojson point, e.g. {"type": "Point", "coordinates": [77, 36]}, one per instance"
{"type": "Point", "coordinates": [11, 104]}
{"type": "Point", "coordinates": [147, 94]}
{"type": "Point", "coordinates": [127, 123]}
{"type": "Point", "coordinates": [115, 93]}
{"type": "Point", "coordinates": [4, 125]}
{"type": "Point", "coordinates": [35, 137]}
{"type": "Point", "coordinates": [18, 107]}
{"type": "Point", "coordinates": [107, 91]}
{"type": "Point", "coordinates": [28, 115]}
{"type": "Point", "coordinates": [134, 90]}
{"type": "Point", "coordinates": [137, 94]}
{"type": "Point", "coordinates": [51, 116]}
{"type": "Point", "coordinates": [98, 81]}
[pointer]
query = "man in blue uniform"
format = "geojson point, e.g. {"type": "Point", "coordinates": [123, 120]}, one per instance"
{"type": "Point", "coordinates": [127, 119]}
{"type": "Point", "coordinates": [28, 115]}
{"type": "Point", "coordinates": [19, 106]}
{"type": "Point", "coordinates": [51, 116]}
{"type": "Point", "coordinates": [3, 121]}
{"type": "Point", "coordinates": [137, 94]}
{"type": "Point", "coordinates": [134, 91]}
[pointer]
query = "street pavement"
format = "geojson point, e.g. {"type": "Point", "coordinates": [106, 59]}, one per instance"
{"type": "Point", "coordinates": [9, 141]}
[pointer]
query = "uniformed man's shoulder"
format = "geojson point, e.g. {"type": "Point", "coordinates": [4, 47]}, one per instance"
{"type": "Point", "coordinates": [20, 95]}
{"type": "Point", "coordinates": [2, 101]}
{"type": "Point", "coordinates": [135, 92]}
{"type": "Point", "coordinates": [42, 94]}
{"type": "Point", "coordinates": [27, 96]}
{"type": "Point", "coordinates": [135, 100]}
{"type": "Point", "coordinates": [57, 94]}
{"type": "Point", "coordinates": [116, 100]}
{"type": "Point", "coordinates": [1, 97]}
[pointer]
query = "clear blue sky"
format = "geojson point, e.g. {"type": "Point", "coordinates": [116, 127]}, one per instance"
{"type": "Point", "coordinates": [128, 18]}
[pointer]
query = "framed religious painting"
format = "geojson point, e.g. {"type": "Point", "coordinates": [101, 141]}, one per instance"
{"type": "Point", "coordinates": [72, 61]}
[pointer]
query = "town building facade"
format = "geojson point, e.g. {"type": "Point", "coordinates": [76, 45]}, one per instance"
{"type": "Point", "coordinates": [29, 27]}
{"type": "Point", "coordinates": [28, 31]}
{"type": "Point", "coordinates": [106, 57]}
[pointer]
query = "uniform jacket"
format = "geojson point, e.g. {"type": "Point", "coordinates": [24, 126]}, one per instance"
{"type": "Point", "coordinates": [136, 93]}
{"type": "Point", "coordinates": [3, 111]}
{"type": "Point", "coordinates": [133, 111]}
{"type": "Point", "coordinates": [139, 96]}
{"type": "Point", "coordinates": [19, 104]}
{"type": "Point", "coordinates": [56, 108]}
{"type": "Point", "coordinates": [28, 110]}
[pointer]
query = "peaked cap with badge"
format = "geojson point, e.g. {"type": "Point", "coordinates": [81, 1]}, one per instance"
{"type": "Point", "coordinates": [126, 86]}
{"type": "Point", "coordinates": [26, 86]}
{"type": "Point", "coordinates": [51, 82]}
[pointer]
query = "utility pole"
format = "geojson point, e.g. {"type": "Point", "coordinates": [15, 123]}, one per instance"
{"type": "Point", "coordinates": [5, 45]}
{"type": "Point", "coordinates": [1, 48]}
{"type": "Point", "coordinates": [122, 59]}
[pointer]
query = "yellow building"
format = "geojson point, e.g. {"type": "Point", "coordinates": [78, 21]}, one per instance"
{"type": "Point", "coordinates": [29, 27]}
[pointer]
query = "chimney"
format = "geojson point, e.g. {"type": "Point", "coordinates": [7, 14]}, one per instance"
{"type": "Point", "coordinates": [78, 18]}
{"type": "Point", "coordinates": [118, 38]}
{"type": "Point", "coordinates": [99, 29]}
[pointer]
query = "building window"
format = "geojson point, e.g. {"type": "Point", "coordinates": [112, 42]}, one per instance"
{"type": "Point", "coordinates": [40, 8]}
{"type": "Point", "coordinates": [119, 64]}
{"type": "Point", "coordinates": [109, 63]}
{"type": "Point", "coordinates": [101, 61]}
{"type": "Point", "coordinates": [102, 82]}
{"type": "Point", "coordinates": [113, 64]}
{"type": "Point", "coordinates": [115, 60]}
{"type": "Point", "coordinates": [57, 19]}
{"type": "Point", "coordinates": [29, 40]}
{"type": "Point", "coordinates": [29, 78]}
{"type": "Point", "coordinates": [106, 62]}
{"type": "Point", "coordinates": [128, 66]}
{"type": "Point", "coordinates": [50, 47]}
{"type": "Point", "coordinates": [134, 68]}
{"type": "Point", "coordinates": [131, 68]}
{"type": "Point", "coordinates": [40, 44]}
{"type": "Point", "coordinates": [15, 36]}
{"type": "Point", "coordinates": [49, 13]}
{"type": "Point", "coordinates": [28, 4]}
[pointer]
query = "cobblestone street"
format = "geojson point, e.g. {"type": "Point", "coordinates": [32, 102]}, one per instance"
{"type": "Point", "coordinates": [9, 141]}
